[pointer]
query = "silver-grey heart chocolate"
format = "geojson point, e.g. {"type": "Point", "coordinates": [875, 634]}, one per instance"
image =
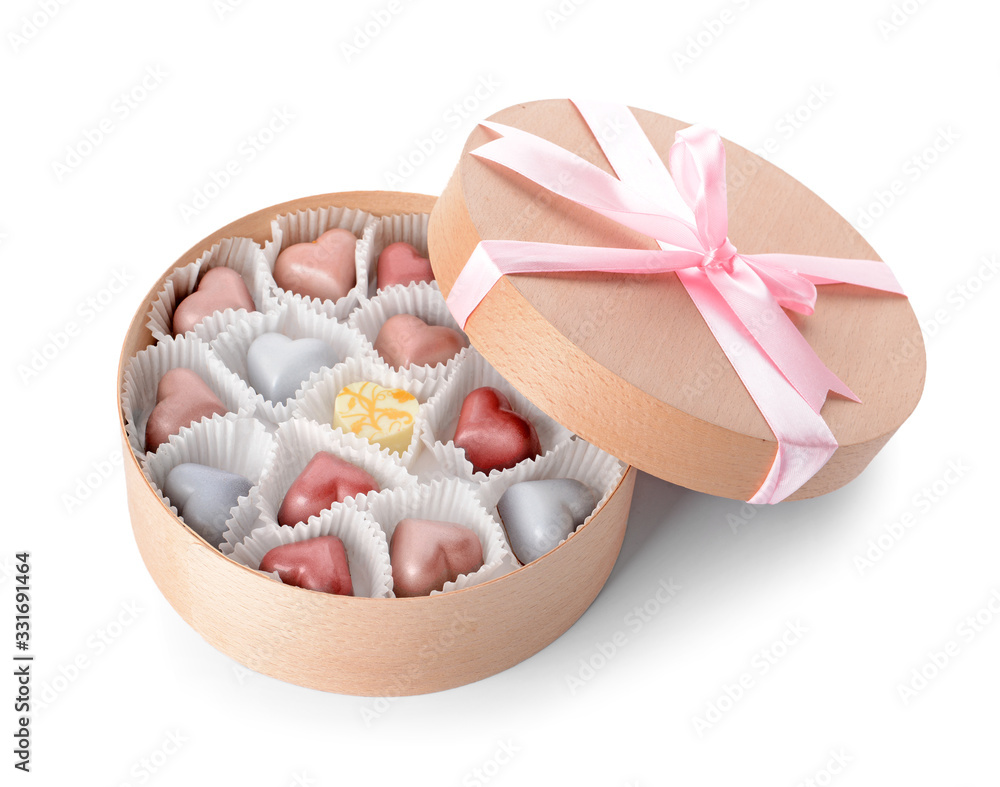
{"type": "Point", "coordinates": [277, 365]}
{"type": "Point", "coordinates": [537, 515]}
{"type": "Point", "coordinates": [203, 496]}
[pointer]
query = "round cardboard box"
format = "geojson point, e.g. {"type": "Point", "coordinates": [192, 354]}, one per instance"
{"type": "Point", "coordinates": [374, 647]}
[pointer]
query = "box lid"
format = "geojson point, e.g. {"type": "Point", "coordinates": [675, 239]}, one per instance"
{"type": "Point", "coordinates": [627, 361]}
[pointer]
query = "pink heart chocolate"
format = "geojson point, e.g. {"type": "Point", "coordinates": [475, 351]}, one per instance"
{"type": "Point", "coordinates": [326, 480]}
{"type": "Point", "coordinates": [401, 263]}
{"type": "Point", "coordinates": [405, 340]}
{"type": "Point", "coordinates": [218, 290]}
{"type": "Point", "coordinates": [182, 398]}
{"type": "Point", "coordinates": [493, 436]}
{"type": "Point", "coordinates": [425, 554]}
{"type": "Point", "coordinates": [314, 564]}
{"type": "Point", "coordinates": [323, 269]}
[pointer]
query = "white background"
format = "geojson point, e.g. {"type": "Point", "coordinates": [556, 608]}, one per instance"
{"type": "Point", "coordinates": [155, 704]}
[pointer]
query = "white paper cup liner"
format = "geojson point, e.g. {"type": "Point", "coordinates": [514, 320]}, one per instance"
{"type": "Point", "coordinates": [447, 500]}
{"type": "Point", "coordinates": [317, 404]}
{"type": "Point", "coordinates": [243, 520]}
{"type": "Point", "coordinates": [299, 440]}
{"type": "Point", "coordinates": [296, 321]}
{"type": "Point", "coordinates": [234, 444]}
{"type": "Point", "coordinates": [307, 225]}
{"type": "Point", "coordinates": [422, 300]}
{"type": "Point", "coordinates": [576, 459]}
{"type": "Point", "coordinates": [367, 551]}
{"type": "Point", "coordinates": [441, 417]}
{"type": "Point", "coordinates": [408, 228]}
{"type": "Point", "coordinates": [143, 373]}
{"type": "Point", "coordinates": [243, 255]}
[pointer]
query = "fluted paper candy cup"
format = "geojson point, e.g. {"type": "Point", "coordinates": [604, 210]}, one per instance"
{"type": "Point", "coordinates": [441, 414]}
{"type": "Point", "coordinates": [421, 300]}
{"type": "Point", "coordinates": [445, 501]}
{"type": "Point", "coordinates": [143, 373]}
{"type": "Point", "coordinates": [575, 459]}
{"type": "Point", "coordinates": [367, 551]}
{"type": "Point", "coordinates": [242, 255]}
{"type": "Point", "coordinates": [298, 441]}
{"type": "Point", "coordinates": [407, 228]}
{"type": "Point", "coordinates": [234, 444]}
{"type": "Point", "coordinates": [296, 321]}
{"type": "Point", "coordinates": [306, 226]}
{"type": "Point", "coordinates": [319, 402]}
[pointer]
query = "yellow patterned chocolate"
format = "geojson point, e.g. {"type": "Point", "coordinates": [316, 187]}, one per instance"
{"type": "Point", "coordinates": [380, 415]}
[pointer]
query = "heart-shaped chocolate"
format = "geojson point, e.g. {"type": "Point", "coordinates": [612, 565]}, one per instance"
{"type": "Point", "coordinates": [405, 340]}
{"type": "Point", "coordinates": [384, 416]}
{"type": "Point", "coordinates": [401, 263]}
{"type": "Point", "coordinates": [218, 290]}
{"type": "Point", "coordinates": [326, 480]}
{"type": "Point", "coordinates": [537, 515]}
{"type": "Point", "coordinates": [425, 554]}
{"type": "Point", "coordinates": [277, 365]}
{"type": "Point", "coordinates": [314, 564]}
{"type": "Point", "coordinates": [323, 269]}
{"type": "Point", "coordinates": [182, 398]}
{"type": "Point", "coordinates": [493, 436]}
{"type": "Point", "coordinates": [204, 496]}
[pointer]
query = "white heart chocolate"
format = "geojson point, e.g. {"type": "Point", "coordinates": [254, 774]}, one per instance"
{"type": "Point", "coordinates": [537, 515]}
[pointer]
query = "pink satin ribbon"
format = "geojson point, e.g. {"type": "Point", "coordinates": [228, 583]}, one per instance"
{"type": "Point", "coordinates": [740, 296]}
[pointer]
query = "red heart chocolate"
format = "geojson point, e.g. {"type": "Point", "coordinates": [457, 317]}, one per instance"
{"type": "Point", "coordinates": [182, 398]}
{"type": "Point", "coordinates": [326, 480]}
{"type": "Point", "coordinates": [493, 436]}
{"type": "Point", "coordinates": [314, 564]}
{"type": "Point", "coordinates": [218, 290]}
{"type": "Point", "coordinates": [405, 340]}
{"type": "Point", "coordinates": [401, 263]}
{"type": "Point", "coordinates": [323, 269]}
{"type": "Point", "coordinates": [425, 554]}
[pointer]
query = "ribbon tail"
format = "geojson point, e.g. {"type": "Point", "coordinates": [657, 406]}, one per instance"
{"type": "Point", "coordinates": [805, 442]}
{"type": "Point", "coordinates": [761, 314]}
{"type": "Point", "coordinates": [828, 270]}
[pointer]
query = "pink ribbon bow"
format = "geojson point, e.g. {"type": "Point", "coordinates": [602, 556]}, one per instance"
{"type": "Point", "coordinates": [739, 295]}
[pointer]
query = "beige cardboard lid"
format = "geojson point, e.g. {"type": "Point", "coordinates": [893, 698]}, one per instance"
{"type": "Point", "coordinates": [627, 362]}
